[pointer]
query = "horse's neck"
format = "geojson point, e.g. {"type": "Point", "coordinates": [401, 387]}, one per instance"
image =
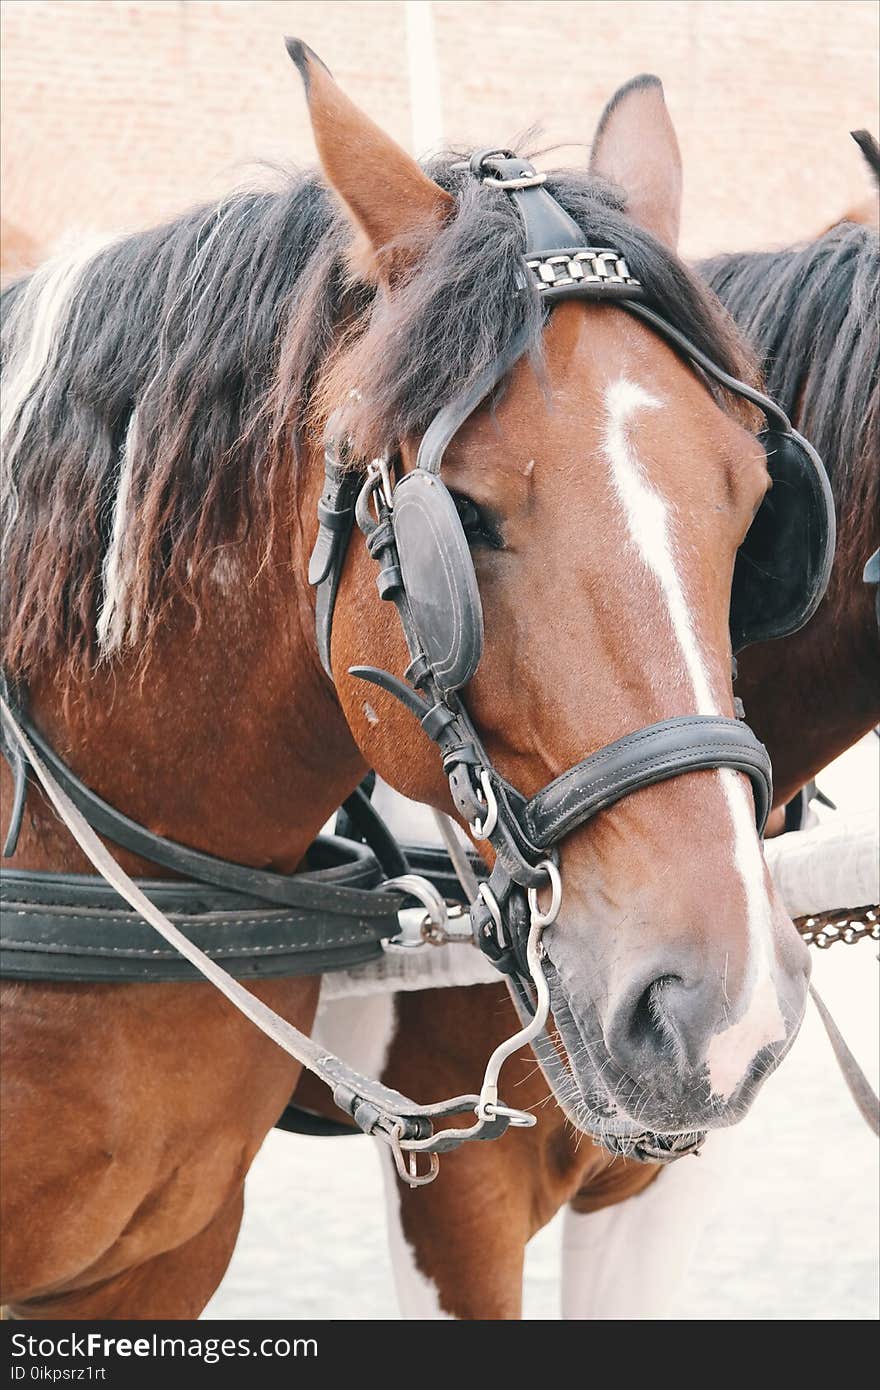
{"type": "Point", "coordinates": [228, 739]}
{"type": "Point", "coordinates": [810, 696]}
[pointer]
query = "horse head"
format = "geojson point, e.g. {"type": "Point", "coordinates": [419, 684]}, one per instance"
{"type": "Point", "coordinates": [604, 491]}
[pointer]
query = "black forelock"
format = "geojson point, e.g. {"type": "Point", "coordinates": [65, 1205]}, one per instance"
{"type": "Point", "coordinates": [464, 302]}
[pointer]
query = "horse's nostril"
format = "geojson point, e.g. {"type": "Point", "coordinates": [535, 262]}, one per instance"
{"type": "Point", "coordinates": [664, 1019]}
{"type": "Point", "coordinates": [650, 1021]}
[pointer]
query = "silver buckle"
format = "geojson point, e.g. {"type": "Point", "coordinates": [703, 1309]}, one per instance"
{"type": "Point", "coordinates": [524, 181]}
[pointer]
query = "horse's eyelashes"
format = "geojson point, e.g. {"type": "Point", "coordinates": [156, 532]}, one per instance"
{"type": "Point", "coordinates": [479, 527]}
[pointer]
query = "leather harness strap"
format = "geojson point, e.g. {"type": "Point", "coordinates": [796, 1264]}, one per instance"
{"type": "Point", "coordinates": [335, 523]}
{"type": "Point", "coordinates": [74, 927]}
{"type": "Point", "coordinates": [375, 1108]}
{"type": "Point", "coordinates": [308, 892]}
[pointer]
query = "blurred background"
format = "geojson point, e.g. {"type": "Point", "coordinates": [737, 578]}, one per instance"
{"type": "Point", "coordinates": [116, 115]}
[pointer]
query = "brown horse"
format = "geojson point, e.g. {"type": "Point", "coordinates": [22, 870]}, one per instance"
{"type": "Point", "coordinates": [166, 399]}
{"type": "Point", "coordinates": [812, 314]}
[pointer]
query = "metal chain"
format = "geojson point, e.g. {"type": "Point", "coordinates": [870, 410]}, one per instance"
{"type": "Point", "coordinates": [828, 928]}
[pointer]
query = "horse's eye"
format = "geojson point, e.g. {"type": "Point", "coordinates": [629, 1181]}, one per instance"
{"type": "Point", "coordinates": [478, 527]}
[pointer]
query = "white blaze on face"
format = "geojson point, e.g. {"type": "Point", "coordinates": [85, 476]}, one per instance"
{"type": "Point", "coordinates": [648, 524]}
{"type": "Point", "coordinates": [731, 1051]}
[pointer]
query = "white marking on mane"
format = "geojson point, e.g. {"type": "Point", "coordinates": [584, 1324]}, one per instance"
{"type": "Point", "coordinates": [226, 571]}
{"type": "Point", "coordinates": [31, 339]}
{"type": "Point", "coordinates": [117, 573]}
{"type": "Point", "coordinates": [648, 521]}
{"type": "Point", "coordinates": [119, 622]}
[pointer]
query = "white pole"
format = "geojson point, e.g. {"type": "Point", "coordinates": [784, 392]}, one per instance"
{"type": "Point", "coordinates": [426, 105]}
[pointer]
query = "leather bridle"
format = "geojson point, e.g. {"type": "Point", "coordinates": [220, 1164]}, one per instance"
{"type": "Point", "coordinates": [523, 833]}
{"type": "Point", "coordinates": [506, 917]}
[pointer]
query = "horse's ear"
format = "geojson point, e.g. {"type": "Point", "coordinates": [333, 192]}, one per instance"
{"type": "Point", "coordinates": [635, 146]}
{"type": "Point", "coordinates": [391, 199]}
{"type": "Point", "coordinates": [870, 149]}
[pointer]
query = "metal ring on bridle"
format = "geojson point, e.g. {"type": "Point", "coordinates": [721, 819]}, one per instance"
{"type": "Point", "coordinates": [481, 830]}
{"type": "Point", "coordinates": [544, 919]}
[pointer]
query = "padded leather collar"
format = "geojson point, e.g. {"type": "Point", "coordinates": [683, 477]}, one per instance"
{"type": "Point", "coordinates": [75, 927]}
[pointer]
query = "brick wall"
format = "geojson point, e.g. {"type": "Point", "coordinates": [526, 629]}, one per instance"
{"type": "Point", "coordinates": [116, 114]}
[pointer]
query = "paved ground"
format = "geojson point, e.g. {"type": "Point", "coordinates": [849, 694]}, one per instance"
{"type": "Point", "coordinates": [797, 1238]}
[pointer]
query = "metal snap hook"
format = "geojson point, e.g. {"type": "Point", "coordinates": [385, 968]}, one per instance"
{"type": "Point", "coordinates": [544, 919]}
{"type": "Point", "coordinates": [415, 886]}
{"type": "Point", "coordinates": [407, 1164]}
{"type": "Point", "coordinates": [433, 935]}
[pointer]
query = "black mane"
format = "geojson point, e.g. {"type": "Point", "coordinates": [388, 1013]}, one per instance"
{"type": "Point", "coordinates": [182, 373]}
{"type": "Point", "coordinates": [812, 314]}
